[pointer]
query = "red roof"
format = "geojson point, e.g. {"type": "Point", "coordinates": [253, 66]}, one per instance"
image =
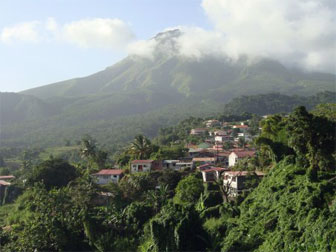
{"type": "Point", "coordinates": [142, 161]}
{"type": "Point", "coordinates": [204, 165]}
{"type": "Point", "coordinates": [7, 177]}
{"type": "Point", "coordinates": [243, 154]}
{"type": "Point", "coordinates": [110, 172]}
{"type": "Point", "coordinates": [240, 126]}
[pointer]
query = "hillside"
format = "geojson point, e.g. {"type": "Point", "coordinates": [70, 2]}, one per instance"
{"type": "Point", "coordinates": [215, 78]}
{"type": "Point", "coordinates": [139, 95]}
{"type": "Point", "coordinates": [18, 107]}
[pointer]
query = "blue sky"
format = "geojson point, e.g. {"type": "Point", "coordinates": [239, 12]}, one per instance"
{"type": "Point", "coordinates": [24, 65]}
{"type": "Point", "coordinates": [45, 41]}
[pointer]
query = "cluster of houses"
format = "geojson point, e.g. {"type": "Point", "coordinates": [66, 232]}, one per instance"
{"type": "Point", "coordinates": [209, 158]}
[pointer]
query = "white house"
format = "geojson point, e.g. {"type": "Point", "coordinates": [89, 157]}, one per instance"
{"type": "Point", "coordinates": [212, 174]}
{"type": "Point", "coordinates": [235, 181]}
{"type": "Point", "coordinates": [198, 131]}
{"type": "Point", "coordinates": [212, 123]}
{"type": "Point", "coordinates": [237, 155]}
{"type": "Point", "coordinates": [184, 165]}
{"type": "Point", "coordinates": [242, 127]}
{"type": "Point", "coordinates": [170, 164]}
{"type": "Point", "coordinates": [145, 165]}
{"type": "Point", "coordinates": [106, 176]}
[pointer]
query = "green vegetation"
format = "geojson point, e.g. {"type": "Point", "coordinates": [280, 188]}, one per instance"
{"type": "Point", "coordinates": [293, 208]}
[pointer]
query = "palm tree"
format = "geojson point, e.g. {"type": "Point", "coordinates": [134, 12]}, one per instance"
{"type": "Point", "coordinates": [141, 147]}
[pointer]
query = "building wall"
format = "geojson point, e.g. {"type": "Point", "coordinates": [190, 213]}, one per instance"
{"type": "Point", "coordinates": [105, 179]}
{"type": "Point", "coordinates": [233, 158]}
{"type": "Point", "coordinates": [145, 167]}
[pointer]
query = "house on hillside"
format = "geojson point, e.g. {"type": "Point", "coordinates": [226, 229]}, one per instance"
{"type": "Point", "coordinates": [212, 174]}
{"type": "Point", "coordinates": [220, 133]}
{"type": "Point", "coordinates": [204, 160]}
{"type": "Point", "coordinates": [199, 152]}
{"type": "Point", "coordinates": [198, 131]}
{"type": "Point", "coordinates": [212, 123]}
{"type": "Point", "coordinates": [183, 165]}
{"type": "Point", "coordinates": [106, 176]}
{"type": "Point", "coordinates": [170, 164]}
{"type": "Point", "coordinates": [237, 182]}
{"type": "Point", "coordinates": [145, 165]}
{"type": "Point", "coordinates": [235, 156]}
{"type": "Point", "coordinates": [204, 167]}
{"type": "Point", "coordinates": [243, 128]}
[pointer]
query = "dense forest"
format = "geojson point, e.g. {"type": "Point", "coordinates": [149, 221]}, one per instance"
{"type": "Point", "coordinates": [54, 205]}
{"type": "Point", "coordinates": [99, 120]}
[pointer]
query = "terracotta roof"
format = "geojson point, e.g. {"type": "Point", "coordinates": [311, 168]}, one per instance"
{"type": "Point", "coordinates": [242, 154]}
{"type": "Point", "coordinates": [4, 183]}
{"type": "Point", "coordinates": [109, 172]}
{"type": "Point", "coordinates": [142, 161]}
{"type": "Point", "coordinates": [240, 126]}
{"type": "Point", "coordinates": [204, 165]}
{"type": "Point", "coordinates": [7, 177]}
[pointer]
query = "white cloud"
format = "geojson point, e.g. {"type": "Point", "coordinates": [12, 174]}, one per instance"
{"type": "Point", "coordinates": [25, 32]}
{"type": "Point", "coordinates": [300, 32]}
{"type": "Point", "coordinates": [87, 33]}
{"type": "Point", "coordinates": [142, 48]}
{"type": "Point", "coordinates": [98, 32]}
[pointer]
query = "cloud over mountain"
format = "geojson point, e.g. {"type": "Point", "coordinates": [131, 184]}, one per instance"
{"type": "Point", "coordinates": [298, 33]}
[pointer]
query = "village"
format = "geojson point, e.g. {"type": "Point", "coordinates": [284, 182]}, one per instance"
{"type": "Point", "coordinates": [224, 146]}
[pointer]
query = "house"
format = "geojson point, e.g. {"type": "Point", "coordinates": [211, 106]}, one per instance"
{"type": "Point", "coordinates": [242, 128]}
{"type": "Point", "coordinates": [238, 181]}
{"type": "Point", "coordinates": [200, 153]}
{"type": "Point", "coordinates": [212, 123]}
{"type": "Point", "coordinates": [237, 155]}
{"type": "Point", "coordinates": [170, 164]}
{"type": "Point", "coordinates": [212, 174]}
{"type": "Point", "coordinates": [198, 131]}
{"type": "Point", "coordinates": [217, 147]}
{"type": "Point", "coordinates": [223, 157]}
{"type": "Point", "coordinates": [106, 176]}
{"type": "Point", "coordinates": [204, 167]}
{"type": "Point", "coordinates": [204, 160]}
{"type": "Point", "coordinates": [220, 133]}
{"type": "Point", "coordinates": [184, 165]}
{"type": "Point", "coordinates": [145, 165]}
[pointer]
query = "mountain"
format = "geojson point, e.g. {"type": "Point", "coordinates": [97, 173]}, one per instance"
{"type": "Point", "coordinates": [18, 107]}
{"type": "Point", "coordinates": [210, 77]}
{"type": "Point", "coordinates": [141, 94]}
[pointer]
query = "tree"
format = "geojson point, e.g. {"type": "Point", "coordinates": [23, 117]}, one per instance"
{"type": "Point", "coordinates": [90, 151]}
{"type": "Point", "coordinates": [53, 173]}
{"type": "Point", "coordinates": [241, 142]}
{"type": "Point", "coordinates": [188, 190]}
{"type": "Point", "coordinates": [313, 140]}
{"type": "Point", "coordinates": [141, 147]}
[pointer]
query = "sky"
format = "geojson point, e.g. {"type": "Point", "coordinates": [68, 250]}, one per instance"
{"type": "Point", "coordinates": [45, 41]}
